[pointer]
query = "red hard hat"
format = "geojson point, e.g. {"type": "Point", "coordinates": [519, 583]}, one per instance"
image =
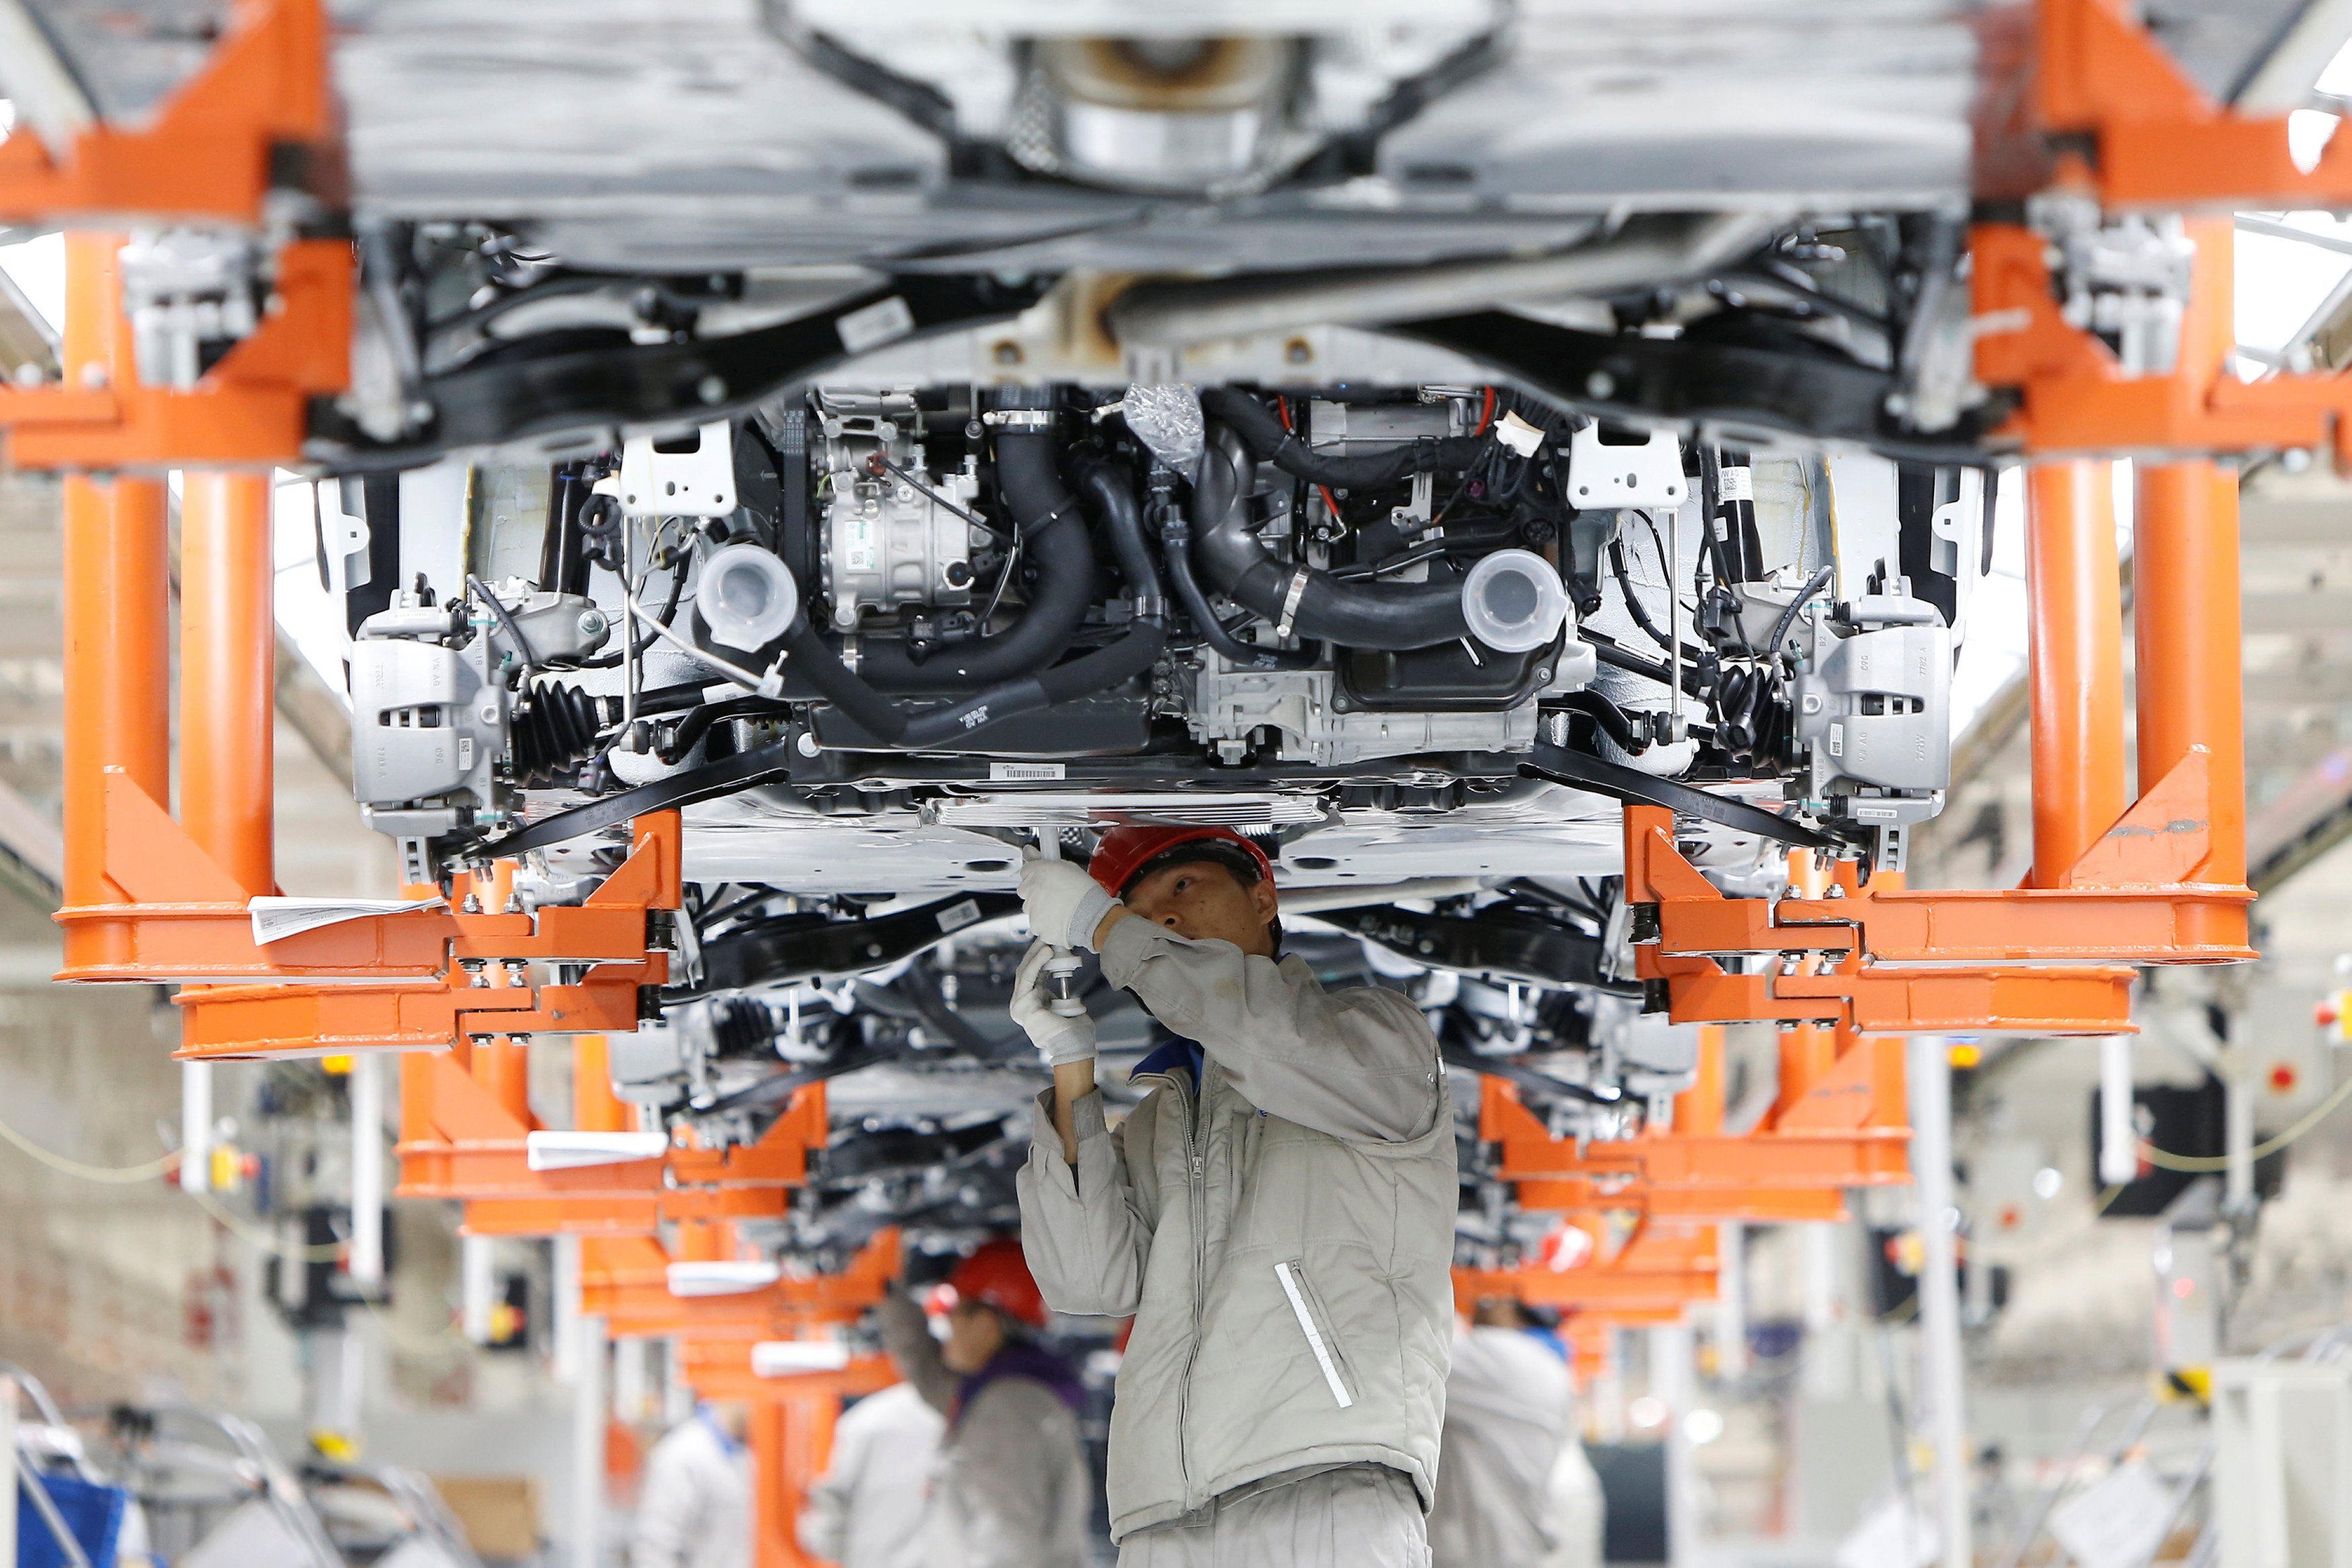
{"type": "Point", "coordinates": [1127, 848]}
{"type": "Point", "coordinates": [999, 1275]}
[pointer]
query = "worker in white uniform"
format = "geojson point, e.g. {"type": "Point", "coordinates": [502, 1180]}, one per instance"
{"type": "Point", "coordinates": [1010, 1487]}
{"type": "Point", "coordinates": [695, 1508]}
{"type": "Point", "coordinates": [1502, 1500]}
{"type": "Point", "coordinates": [863, 1513]}
{"type": "Point", "coordinates": [1277, 1214]}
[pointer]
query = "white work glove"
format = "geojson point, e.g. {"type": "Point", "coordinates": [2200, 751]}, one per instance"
{"type": "Point", "coordinates": [1064, 903]}
{"type": "Point", "coordinates": [1060, 1041]}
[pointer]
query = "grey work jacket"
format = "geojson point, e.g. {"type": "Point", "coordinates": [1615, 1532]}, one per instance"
{"type": "Point", "coordinates": [1283, 1232]}
{"type": "Point", "coordinates": [1508, 1405]}
{"type": "Point", "coordinates": [1009, 1487]}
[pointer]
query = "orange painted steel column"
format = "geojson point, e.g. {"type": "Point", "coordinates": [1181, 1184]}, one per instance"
{"type": "Point", "coordinates": [2191, 639]}
{"type": "Point", "coordinates": [2074, 652]}
{"type": "Point", "coordinates": [117, 621]}
{"type": "Point", "coordinates": [502, 1066]}
{"type": "Point", "coordinates": [1698, 1110]}
{"type": "Point", "coordinates": [229, 652]}
{"type": "Point", "coordinates": [1807, 1050]}
{"type": "Point", "coordinates": [595, 1107]}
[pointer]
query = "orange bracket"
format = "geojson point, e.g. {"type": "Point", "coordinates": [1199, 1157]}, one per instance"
{"type": "Point", "coordinates": [626, 1281]}
{"type": "Point", "coordinates": [211, 150]}
{"type": "Point", "coordinates": [1662, 1266]}
{"type": "Point", "coordinates": [2156, 139]}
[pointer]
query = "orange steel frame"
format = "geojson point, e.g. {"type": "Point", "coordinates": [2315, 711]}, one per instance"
{"type": "Point", "coordinates": [2159, 879]}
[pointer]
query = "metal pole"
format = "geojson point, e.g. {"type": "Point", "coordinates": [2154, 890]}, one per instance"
{"type": "Point", "coordinates": [2118, 1133]}
{"type": "Point", "coordinates": [587, 1441]}
{"type": "Point", "coordinates": [566, 1256]}
{"type": "Point", "coordinates": [1732, 1303]}
{"type": "Point", "coordinates": [367, 1173]}
{"type": "Point", "coordinates": [1945, 1422]}
{"type": "Point", "coordinates": [228, 649]}
{"type": "Point", "coordinates": [196, 1126]}
{"type": "Point", "coordinates": [2191, 636]}
{"type": "Point", "coordinates": [2074, 660]}
{"type": "Point", "coordinates": [8, 1448]}
{"type": "Point", "coordinates": [477, 1285]}
{"type": "Point", "coordinates": [1673, 1380]}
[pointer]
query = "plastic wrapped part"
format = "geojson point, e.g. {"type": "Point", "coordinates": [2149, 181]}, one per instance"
{"type": "Point", "coordinates": [747, 597]}
{"type": "Point", "coordinates": [1514, 600]}
{"type": "Point", "coordinates": [1168, 420]}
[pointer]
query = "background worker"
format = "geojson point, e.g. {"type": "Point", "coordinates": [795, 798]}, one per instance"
{"type": "Point", "coordinates": [695, 1510]}
{"type": "Point", "coordinates": [1010, 1487]}
{"type": "Point", "coordinates": [1509, 1422]}
{"type": "Point", "coordinates": [1277, 1214]}
{"type": "Point", "coordinates": [864, 1511]}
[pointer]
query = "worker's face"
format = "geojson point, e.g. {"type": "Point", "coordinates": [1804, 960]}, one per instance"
{"type": "Point", "coordinates": [1206, 901]}
{"type": "Point", "coordinates": [975, 1334]}
{"type": "Point", "coordinates": [1500, 1313]}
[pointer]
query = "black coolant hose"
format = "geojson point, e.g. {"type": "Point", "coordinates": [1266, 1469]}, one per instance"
{"type": "Point", "coordinates": [1054, 537]}
{"type": "Point", "coordinates": [891, 724]}
{"type": "Point", "coordinates": [1110, 490]}
{"type": "Point", "coordinates": [1262, 430]}
{"type": "Point", "coordinates": [1302, 599]}
{"type": "Point", "coordinates": [1176, 535]}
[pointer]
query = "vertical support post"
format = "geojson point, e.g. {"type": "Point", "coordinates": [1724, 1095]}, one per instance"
{"type": "Point", "coordinates": [1673, 1379]}
{"type": "Point", "coordinates": [2074, 660]}
{"type": "Point", "coordinates": [1939, 1294]}
{"type": "Point", "coordinates": [8, 1464]}
{"type": "Point", "coordinates": [595, 1107]}
{"type": "Point", "coordinates": [502, 1067]}
{"type": "Point", "coordinates": [366, 1080]}
{"type": "Point", "coordinates": [1731, 1299]}
{"type": "Point", "coordinates": [630, 1383]}
{"type": "Point", "coordinates": [1825, 1302]}
{"type": "Point", "coordinates": [2189, 626]}
{"type": "Point", "coordinates": [477, 1286]}
{"type": "Point", "coordinates": [117, 621]}
{"type": "Point", "coordinates": [564, 1252]}
{"type": "Point", "coordinates": [771, 1531]}
{"type": "Point", "coordinates": [196, 1126]}
{"type": "Point", "coordinates": [2241, 1090]}
{"type": "Point", "coordinates": [2118, 1137]}
{"type": "Point", "coordinates": [1698, 1110]}
{"type": "Point", "coordinates": [588, 1442]}
{"type": "Point", "coordinates": [228, 649]}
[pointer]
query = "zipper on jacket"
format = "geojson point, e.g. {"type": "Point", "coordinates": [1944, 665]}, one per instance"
{"type": "Point", "coordinates": [1197, 1206]}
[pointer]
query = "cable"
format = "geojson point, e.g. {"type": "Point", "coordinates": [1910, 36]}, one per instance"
{"type": "Point", "coordinates": [1282, 407]}
{"type": "Point", "coordinates": [768, 684]}
{"type": "Point", "coordinates": [974, 518]}
{"type": "Point", "coordinates": [118, 1176]}
{"type": "Point", "coordinates": [2202, 1164]}
{"type": "Point", "coordinates": [1813, 585]}
{"type": "Point", "coordinates": [506, 619]}
{"type": "Point", "coordinates": [261, 1240]}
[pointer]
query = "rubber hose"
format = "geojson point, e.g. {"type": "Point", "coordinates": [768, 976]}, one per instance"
{"type": "Point", "coordinates": [1384, 615]}
{"type": "Point", "coordinates": [1109, 489]}
{"type": "Point", "coordinates": [1176, 535]}
{"type": "Point", "coordinates": [1262, 429]}
{"type": "Point", "coordinates": [892, 726]}
{"type": "Point", "coordinates": [1053, 535]}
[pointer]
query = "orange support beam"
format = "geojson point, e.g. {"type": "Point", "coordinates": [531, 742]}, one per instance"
{"type": "Point", "coordinates": [2075, 662]}
{"type": "Point", "coordinates": [229, 657]}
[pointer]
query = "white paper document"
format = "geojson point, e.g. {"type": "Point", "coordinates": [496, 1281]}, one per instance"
{"type": "Point", "coordinates": [721, 1278]}
{"type": "Point", "coordinates": [276, 919]}
{"type": "Point", "coordinates": [570, 1151]}
{"type": "Point", "coordinates": [785, 1357]}
{"type": "Point", "coordinates": [2117, 1524]}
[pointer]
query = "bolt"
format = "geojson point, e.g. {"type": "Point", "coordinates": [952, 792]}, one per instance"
{"type": "Point", "coordinates": [1599, 383]}
{"type": "Point", "coordinates": [807, 744]}
{"type": "Point", "coordinates": [710, 389]}
{"type": "Point", "coordinates": [592, 623]}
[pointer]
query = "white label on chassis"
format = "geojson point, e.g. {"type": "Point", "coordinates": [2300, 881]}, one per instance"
{"type": "Point", "coordinates": [884, 321]}
{"type": "Point", "coordinates": [956, 917]}
{"type": "Point", "coordinates": [1026, 772]}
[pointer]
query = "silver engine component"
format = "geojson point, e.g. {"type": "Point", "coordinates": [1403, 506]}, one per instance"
{"type": "Point", "coordinates": [431, 714]}
{"type": "Point", "coordinates": [190, 294]}
{"type": "Point", "coordinates": [1316, 725]}
{"type": "Point", "coordinates": [890, 541]}
{"type": "Point", "coordinates": [1873, 702]}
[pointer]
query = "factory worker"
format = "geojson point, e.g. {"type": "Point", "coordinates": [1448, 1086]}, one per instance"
{"type": "Point", "coordinates": [863, 1513]}
{"type": "Point", "coordinates": [694, 1509]}
{"type": "Point", "coordinates": [1509, 1408]}
{"type": "Point", "coordinates": [1010, 1487]}
{"type": "Point", "coordinates": [1277, 1214]}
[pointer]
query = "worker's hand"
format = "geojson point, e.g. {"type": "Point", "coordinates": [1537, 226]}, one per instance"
{"type": "Point", "coordinates": [1060, 1041]}
{"type": "Point", "coordinates": [1064, 903]}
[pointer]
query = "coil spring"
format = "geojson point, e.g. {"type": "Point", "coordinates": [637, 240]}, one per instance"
{"type": "Point", "coordinates": [555, 728]}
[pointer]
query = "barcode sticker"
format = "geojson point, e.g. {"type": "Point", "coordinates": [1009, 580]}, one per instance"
{"type": "Point", "coordinates": [884, 321]}
{"type": "Point", "coordinates": [1740, 484]}
{"type": "Point", "coordinates": [1026, 772]}
{"type": "Point", "coordinates": [956, 917]}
